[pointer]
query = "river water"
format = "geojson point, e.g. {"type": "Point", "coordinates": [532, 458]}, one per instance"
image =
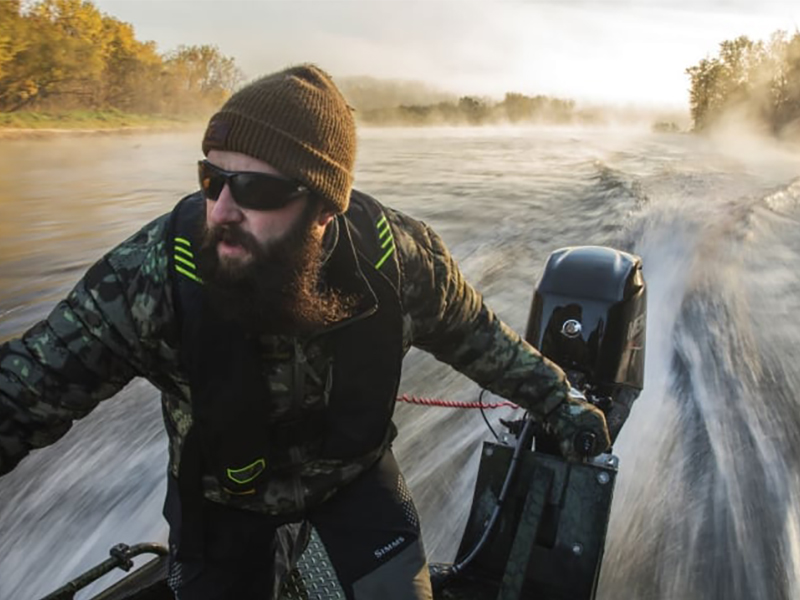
{"type": "Point", "coordinates": [706, 504]}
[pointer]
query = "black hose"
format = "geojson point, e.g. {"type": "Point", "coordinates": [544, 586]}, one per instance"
{"type": "Point", "coordinates": [512, 469]}
{"type": "Point", "coordinates": [485, 418]}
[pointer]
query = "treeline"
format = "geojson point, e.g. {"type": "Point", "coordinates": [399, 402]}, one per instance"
{"type": "Point", "coordinates": [471, 110]}
{"type": "Point", "coordinates": [367, 93]}
{"type": "Point", "coordinates": [753, 80]}
{"type": "Point", "coordinates": [67, 55]}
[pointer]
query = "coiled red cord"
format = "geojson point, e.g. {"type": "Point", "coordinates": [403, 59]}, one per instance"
{"type": "Point", "coordinates": [453, 404]}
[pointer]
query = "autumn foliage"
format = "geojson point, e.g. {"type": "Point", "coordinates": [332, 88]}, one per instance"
{"type": "Point", "coordinates": [67, 55]}
{"type": "Point", "coordinates": [753, 81]}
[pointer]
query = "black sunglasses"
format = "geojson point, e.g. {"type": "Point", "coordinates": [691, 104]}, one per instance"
{"type": "Point", "coordinates": [256, 191]}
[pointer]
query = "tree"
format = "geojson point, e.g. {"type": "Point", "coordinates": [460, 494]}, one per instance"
{"type": "Point", "coordinates": [62, 56]}
{"type": "Point", "coordinates": [474, 109]}
{"type": "Point", "coordinates": [12, 38]}
{"type": "Point", "coordinates": [201, 76]}
{"type": "Point", "coordinates": [785, 83]}
{"type": "Point", "coordinates": [760, 81]}
{"type": "Point", "coordinates": [518, 107]}
{"type": "Point", "coordinates": [704, 97]}
{"type": "Point", "coordinates": [132, 72]}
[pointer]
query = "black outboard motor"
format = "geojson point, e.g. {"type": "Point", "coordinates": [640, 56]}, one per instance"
{"type": "Point", "coordinates": [588, 316]}
{"type": "Point", "coordinates": [538, 523]}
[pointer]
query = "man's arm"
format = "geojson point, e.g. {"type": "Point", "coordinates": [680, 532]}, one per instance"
{"type": "Point", "coordinates": [450, 320]}
{"type": "Point", "coordinates": [89, 347]}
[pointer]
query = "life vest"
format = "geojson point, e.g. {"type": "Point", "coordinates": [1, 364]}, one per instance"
{"type": "Point", "coordinates": [233, 435]}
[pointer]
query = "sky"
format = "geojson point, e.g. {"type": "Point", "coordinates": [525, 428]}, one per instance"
{"type": "Point", "coordinates": [621, 52]}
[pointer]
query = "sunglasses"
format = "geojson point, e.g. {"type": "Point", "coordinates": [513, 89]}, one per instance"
{"type": "Point", "coordinates": [256, 191]}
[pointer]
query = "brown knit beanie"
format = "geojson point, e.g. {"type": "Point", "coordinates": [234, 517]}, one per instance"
{"type": "Point", "coordinates": [298, 122]}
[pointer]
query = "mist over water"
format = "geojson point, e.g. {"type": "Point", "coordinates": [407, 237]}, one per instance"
{"type": "Point", "coordinates": [706, 502]}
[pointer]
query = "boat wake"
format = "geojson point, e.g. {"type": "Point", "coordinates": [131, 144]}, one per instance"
{"type": "Point", "coordinates": [706, 501]}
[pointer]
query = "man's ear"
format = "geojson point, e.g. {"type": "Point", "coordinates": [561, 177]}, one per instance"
{"type": "Point", "coordinates": [325, 217]}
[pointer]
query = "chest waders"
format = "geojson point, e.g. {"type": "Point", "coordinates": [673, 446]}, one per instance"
{"type": "Point", "coordinates": [234, 436]}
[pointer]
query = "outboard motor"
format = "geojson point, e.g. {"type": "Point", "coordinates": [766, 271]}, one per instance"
{"type": "Point", "coordinates": [588, 316]}
{"type": "Point", "coordinates": [538, 523]}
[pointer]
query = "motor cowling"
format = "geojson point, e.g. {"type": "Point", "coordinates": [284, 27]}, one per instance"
{"type": "Point", "coordinates": [588, 315]}
{"type": "Point", "coordinates": [547, 516]}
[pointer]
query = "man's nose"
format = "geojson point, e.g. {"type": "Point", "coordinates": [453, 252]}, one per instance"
{"type": "Point", "coordinates": [225, 209]}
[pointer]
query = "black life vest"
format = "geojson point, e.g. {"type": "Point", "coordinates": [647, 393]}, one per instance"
{"type": "Point", "coordinates": [233, 436]}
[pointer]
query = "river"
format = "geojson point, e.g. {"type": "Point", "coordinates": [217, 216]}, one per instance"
{"type": "Point", "coordinates": [706, 504]}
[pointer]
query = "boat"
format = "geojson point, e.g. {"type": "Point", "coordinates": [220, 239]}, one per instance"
{"type": "Point", "coordinates": [538, 523]}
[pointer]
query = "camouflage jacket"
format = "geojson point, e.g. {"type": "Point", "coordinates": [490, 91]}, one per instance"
{"type": "Point", "coordinates": [119, 323]}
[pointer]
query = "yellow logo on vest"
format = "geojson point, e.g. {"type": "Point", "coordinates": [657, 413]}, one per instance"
{"type": "Point", "coordinates": [184, 259]}
{"type": "Point", "coordinates": [245, 475]}
{"type": "Point", "coordinates": [386, 239]}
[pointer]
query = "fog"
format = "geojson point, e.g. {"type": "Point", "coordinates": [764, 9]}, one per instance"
{"type": "Point", "coordinates": [610, 52]}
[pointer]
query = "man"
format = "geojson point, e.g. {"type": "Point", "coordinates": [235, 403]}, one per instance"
{"type": "Point", "coordinates": [273, 309]}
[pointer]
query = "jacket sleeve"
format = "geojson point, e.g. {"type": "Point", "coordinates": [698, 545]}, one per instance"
{"type": "Point", "coordinates": [90, 346]}
{"type": "Point", "coordinates": [449, 319]}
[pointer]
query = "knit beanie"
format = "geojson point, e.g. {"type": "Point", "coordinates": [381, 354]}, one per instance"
{"type": "Point", "coordinates": [297, 121]}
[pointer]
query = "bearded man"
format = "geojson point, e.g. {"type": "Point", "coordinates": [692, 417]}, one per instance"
{"type": "Point", "coordinates": [272, 309]}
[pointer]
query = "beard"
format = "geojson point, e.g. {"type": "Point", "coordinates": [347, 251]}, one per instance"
{"type": "Point", "coordinates": [279, 289]}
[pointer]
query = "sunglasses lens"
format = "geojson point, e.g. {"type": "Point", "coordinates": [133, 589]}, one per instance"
{"type": "Point", "coordinates": [211, 180]}
{"type": "Point", "coordinates": [262, 192]}
{"type": "Point", "coordinates": [256, 191]}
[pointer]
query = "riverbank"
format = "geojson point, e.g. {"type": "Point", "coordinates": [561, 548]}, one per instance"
{"type": "Point", "coordinates": [18, 125]}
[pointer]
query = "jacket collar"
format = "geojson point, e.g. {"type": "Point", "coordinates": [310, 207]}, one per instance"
{"type": "Point", "coordinates": [342, 271]}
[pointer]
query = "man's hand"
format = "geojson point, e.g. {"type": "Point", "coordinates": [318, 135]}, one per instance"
{"type": "Point", "coordinates": [580, 427]}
